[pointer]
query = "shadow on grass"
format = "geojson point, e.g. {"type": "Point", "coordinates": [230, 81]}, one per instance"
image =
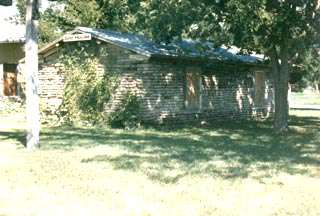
{"type": "Point", "coordinates": [226, 150]}
{"type": "Point", "coordinates": [17, 136]}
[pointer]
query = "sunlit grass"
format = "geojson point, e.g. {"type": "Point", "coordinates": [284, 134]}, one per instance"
{"type": "Point", "coordinates": [305, 99]}
{"type": "Point", "coordinates": [231, 168]}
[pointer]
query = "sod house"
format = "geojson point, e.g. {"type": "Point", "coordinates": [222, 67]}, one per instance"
{"type": "Point", "coordinates": [181, 82]}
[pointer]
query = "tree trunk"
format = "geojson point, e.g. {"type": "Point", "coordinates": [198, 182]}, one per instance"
{"type": "Point", "coordinates": [281, 79]}
{"type": "Point", "coordinates": [32, 98]}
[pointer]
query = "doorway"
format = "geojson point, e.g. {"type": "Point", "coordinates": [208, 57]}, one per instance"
{"type": "Point", "coordinates": [10, 79]}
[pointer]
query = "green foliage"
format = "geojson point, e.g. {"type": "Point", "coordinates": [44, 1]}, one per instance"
{"type": "Point", "coordinates": [311, 67]}
{"type": "Point", "coordinates": [306, 70]}
{"type": "Point", "coordinates": [112, 14]}
{"type": "Point", "coordinates": [21, 6]}
{"type": "Point", "coordinates": [127, 115]}
{"type": "Point", "coordinates": [164, 20]}
{"type": "Point", "coordinates": [87, 89]}
{"type": "Point", "coordinates": [96, 13]}
{"type": "Point", "coordinates": [48, 27]}
{"type": "Point", "coordinates": [48, 24]}
{"type": "Point", "coordinates": [255, 25]}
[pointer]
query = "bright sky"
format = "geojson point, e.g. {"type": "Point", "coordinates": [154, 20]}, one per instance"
{"type": "Point", "coordinates": [9, 31]}
{"type": "Point", "coordinates": [12, 30]}
{"type": "Point", "coordinates": [7, 12]}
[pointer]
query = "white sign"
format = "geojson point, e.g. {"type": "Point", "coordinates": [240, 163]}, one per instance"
{"type": "Point", "coordinates": [77, 37]}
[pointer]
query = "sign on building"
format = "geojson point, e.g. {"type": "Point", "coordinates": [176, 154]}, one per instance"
{"type": "Point", "coordinates": [77, 37]}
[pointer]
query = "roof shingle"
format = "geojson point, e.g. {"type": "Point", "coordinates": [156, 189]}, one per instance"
{"type": "Point", "coordinates": [185, 48]}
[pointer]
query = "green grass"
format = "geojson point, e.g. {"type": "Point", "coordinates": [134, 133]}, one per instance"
{"type": "Point", "coordinates": [227, 150]}
{"type": "Point", "coordinates": [11, 105]}
{"type": "Point", "coordinates": [305, 99]}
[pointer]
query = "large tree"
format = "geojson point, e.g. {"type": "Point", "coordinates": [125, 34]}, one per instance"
{"type": "Point", "coordinates": [279, 29]}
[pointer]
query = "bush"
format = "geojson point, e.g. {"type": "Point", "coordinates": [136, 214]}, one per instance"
{"type": "Point", "coordinates": [87, 91]}
{"type": "Point", "coordinates": [127, 116]}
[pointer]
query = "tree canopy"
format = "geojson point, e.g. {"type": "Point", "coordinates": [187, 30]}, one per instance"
{"type": "Point", "coordinates": [310, 68]}
{"type": "Point", "coordinates": [112, 14]}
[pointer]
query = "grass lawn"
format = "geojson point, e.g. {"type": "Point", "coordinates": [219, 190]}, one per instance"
{"type": "Point", "coordinates": [241, 168]}
{"type": "Point", "coordinates": [305, 99]}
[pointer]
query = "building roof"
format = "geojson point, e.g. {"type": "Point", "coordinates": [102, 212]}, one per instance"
{"type": "Point", "coordinates": [144, 46]}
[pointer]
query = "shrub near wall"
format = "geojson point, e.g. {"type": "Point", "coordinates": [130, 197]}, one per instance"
{"type": "Point", "coordinates": [88, 87]}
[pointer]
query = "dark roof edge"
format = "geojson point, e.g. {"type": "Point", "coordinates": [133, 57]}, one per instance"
{"type": "Point", "coordinates": [12, 41]}
{"type": "Point", "coordinates": [206, 59]}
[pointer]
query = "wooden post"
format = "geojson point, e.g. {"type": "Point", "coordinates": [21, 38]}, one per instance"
{"type": "Point", "coordinates": [32, 98]}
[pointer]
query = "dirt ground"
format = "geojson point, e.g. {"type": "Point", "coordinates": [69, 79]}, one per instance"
{"type": "Point", "coordinates": [58, 182]}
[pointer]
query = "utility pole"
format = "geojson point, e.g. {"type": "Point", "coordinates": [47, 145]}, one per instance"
{"type": "Point", "coordinates": [32, 83]}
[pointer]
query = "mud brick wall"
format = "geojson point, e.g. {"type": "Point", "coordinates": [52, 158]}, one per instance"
{"type": "Point", "coordinates": [232, 91]}
{"type": "Point", "coordinates": [225, 93]}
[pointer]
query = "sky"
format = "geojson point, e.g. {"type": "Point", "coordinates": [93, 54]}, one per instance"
{"type": "Point", "coordinates": [7, 12]}
{"type": "Point", "coordinates": [12, 30]}
{"type": "Point", "coordinates": [9, 30]}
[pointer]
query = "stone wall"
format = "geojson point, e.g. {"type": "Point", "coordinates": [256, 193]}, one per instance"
{"type": "Point", "coordinates": [226, 91]}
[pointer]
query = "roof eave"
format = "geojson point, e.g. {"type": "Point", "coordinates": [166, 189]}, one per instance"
{"type": "Point", "coordinates": [206, 59]}
{"type": "Point", "coordinates": [12, 41]}
{"type": "Point", "coordinates": [53, 44]}
{"type": "Point", "coordinates": [147, 54]}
